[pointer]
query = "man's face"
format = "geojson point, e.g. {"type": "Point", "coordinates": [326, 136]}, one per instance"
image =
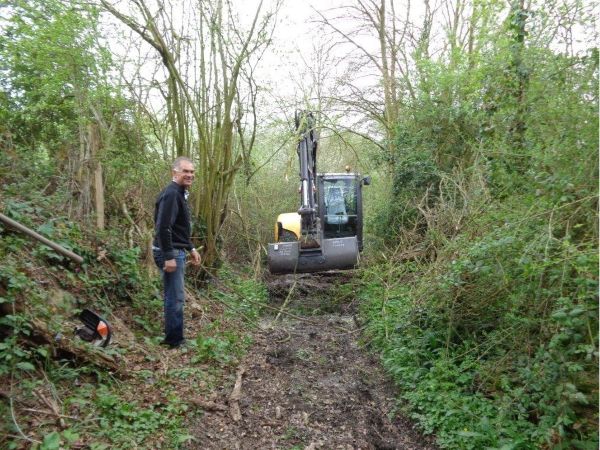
{"type": "Point", "coordinates": [184, 174]}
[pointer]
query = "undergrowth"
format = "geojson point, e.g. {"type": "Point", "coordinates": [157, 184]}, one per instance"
{"type": "Point", "coordinates": [52, 401]}
{"type": "Point", "coordinates": [494, 344]}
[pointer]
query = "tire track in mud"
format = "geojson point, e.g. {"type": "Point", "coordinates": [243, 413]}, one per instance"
{"type": "Point", "coordinates": [307, 384]}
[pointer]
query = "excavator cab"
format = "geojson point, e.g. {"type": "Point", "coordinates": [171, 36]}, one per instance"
{"type": "Point", "coordinates": [341, 205]}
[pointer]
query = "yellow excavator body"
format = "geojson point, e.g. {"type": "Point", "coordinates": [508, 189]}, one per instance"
{"type": "Point", "coordinates": [287, 227]}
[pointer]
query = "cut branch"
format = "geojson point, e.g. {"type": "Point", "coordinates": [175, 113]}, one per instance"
{"type": "Point", "coordinates": [236, 395]}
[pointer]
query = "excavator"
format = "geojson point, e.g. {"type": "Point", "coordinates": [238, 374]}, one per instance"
{"type": "Point", "coordinates": [326, 232]}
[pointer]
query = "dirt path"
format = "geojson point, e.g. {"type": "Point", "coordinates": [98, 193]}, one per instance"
{"type": "Point", "coordinates": [306, 384]}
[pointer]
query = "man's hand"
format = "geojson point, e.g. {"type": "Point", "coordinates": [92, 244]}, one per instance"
{"type": "Point", "coordinates": [170, 265]}
{"type": "Point", "coordinates": [195, 257]}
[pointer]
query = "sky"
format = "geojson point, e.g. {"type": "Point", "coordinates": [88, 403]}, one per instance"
{"type": "Point", "coordinates": [287, 69]}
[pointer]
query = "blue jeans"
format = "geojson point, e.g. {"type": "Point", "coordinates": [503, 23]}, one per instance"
{"type": "Point", "coordinates": [174, 296]}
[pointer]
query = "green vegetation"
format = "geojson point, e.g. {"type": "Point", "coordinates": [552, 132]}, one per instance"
{"type": "Point", "coordinates": [486, 313]}
{"type": "Point", "coordinates": [93, 405]}
{"type": "Point", "coordinates": [40, 290]}
{"type": "Point", "coordinates": [484, 355]}
{"type": "Point", "coordinates": [479, 280]}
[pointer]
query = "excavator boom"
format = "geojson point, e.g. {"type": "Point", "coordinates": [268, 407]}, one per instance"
{"type": "Point", "coordinates": [307, 157]}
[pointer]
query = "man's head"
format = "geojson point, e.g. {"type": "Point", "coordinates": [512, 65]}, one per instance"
{"type": "Point", "coordinates": [183, 171]}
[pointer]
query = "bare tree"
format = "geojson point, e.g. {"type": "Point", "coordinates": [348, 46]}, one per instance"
{"type": "Point", "coordinates": [378, 40]}
{"type": "Point", "coordinates": [209, 91]}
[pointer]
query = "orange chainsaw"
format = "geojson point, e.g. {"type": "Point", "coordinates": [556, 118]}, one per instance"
{"type": "Point", "coordinates": [95, 329]}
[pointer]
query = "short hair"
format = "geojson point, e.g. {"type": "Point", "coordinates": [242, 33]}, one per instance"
{"type": "Point", "coordinates": [177, 163]}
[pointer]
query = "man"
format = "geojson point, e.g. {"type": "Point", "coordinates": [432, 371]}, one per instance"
{"type": "Point", "coordinates": [172, 239]}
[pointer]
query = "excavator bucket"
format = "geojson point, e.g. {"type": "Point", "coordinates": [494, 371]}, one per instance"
{"type": "Point", "coordinates": [333, 254]}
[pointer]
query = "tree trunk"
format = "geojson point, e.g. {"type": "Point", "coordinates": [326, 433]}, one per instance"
{"type": "Point", "coordinates": [94, 150]}
{"type": "Point", "coordinates": [518, 18]}
{"type": "Point", "coordinates": [202, 111]}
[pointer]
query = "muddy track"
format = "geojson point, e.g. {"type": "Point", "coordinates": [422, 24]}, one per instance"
{"type": "Point", "coordinates": [307, 384]}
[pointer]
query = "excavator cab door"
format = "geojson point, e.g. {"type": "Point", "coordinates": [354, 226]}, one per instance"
{"type": "Point", "coordinates": [340, 205]}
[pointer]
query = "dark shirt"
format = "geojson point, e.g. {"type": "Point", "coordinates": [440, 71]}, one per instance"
{"type": "Point", "coordinates": [172, 229]}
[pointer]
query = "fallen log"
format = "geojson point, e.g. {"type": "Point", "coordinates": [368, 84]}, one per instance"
{"type": "Point", "coordinates": [53, 245]}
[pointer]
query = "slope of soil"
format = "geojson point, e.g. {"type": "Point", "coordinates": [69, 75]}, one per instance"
{"type": "Point", "coordinates": [306, 384]}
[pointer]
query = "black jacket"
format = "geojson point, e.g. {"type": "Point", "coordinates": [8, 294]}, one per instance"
{"type": "Point", "coordinates": [172, 224]}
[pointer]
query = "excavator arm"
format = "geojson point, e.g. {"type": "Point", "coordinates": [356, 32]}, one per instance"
{"type": "Point", "coordinates": [307, 157]}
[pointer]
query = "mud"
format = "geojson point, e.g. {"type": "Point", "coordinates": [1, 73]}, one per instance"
{"type": "Point", "coordinates": [307, 384]}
